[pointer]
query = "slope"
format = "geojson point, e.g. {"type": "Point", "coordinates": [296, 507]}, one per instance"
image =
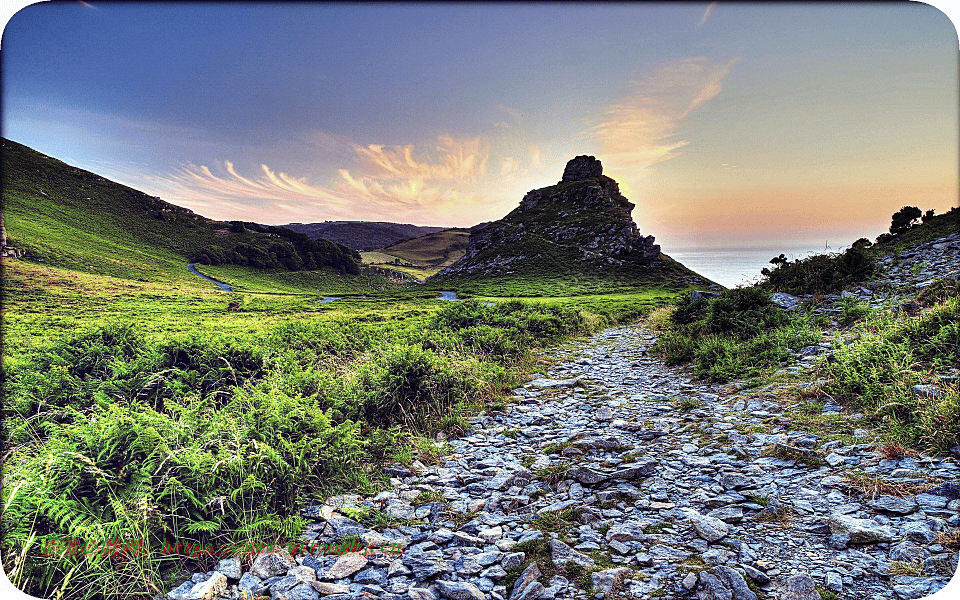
{"type": "Point", "coordinates": [66, 217]}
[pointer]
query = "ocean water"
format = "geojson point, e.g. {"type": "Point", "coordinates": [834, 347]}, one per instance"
{"type": "Point", "coordinates": [733, 266]}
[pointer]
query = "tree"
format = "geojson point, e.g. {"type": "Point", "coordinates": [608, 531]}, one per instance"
{"type": "Point", "coordinates": [928, 215]}
{"type": "Point", "coordinates": [904, 219]}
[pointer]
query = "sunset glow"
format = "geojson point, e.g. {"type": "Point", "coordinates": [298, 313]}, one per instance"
{"type": "Point", "coordinates": [722, 123]}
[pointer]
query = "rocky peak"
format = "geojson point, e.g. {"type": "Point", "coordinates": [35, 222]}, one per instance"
{"type": "Point", "coordinates": [582, 167]}
{"type": "Point", "coordinates": [583, 218]}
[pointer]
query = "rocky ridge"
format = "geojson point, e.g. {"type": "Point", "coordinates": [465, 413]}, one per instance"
{"type": "Point", "coordinates": [583, 216]}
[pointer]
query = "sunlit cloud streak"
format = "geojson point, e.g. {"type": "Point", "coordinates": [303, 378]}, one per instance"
{"type": "Point", "coordinates": [394, 183]}
{"type": "Point", "coordinates": [706, 14]}
{"type": "Point", "coordinates": [641, 129]}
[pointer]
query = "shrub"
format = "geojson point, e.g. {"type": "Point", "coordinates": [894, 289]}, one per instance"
{"type": "Point", "coordinates": [821, 273]}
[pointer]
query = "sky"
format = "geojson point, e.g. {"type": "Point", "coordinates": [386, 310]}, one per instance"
{"type": "Point", "coordinates": [726, 124]}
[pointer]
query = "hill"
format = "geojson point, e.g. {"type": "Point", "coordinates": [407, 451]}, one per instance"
{"type": "Point", "coordinates": [363, 235]}
{"type": "Point", "coordinates": [423, 256]}
{"type": "Point", "coordinates": [66, 217]}
{"type": "Point", "coordinates": [575, 237]}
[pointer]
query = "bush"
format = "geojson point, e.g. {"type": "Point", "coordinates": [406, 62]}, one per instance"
{"type": "Point", "coordinates": [739, 333]}
{"type": "Point", "coordinates": [904, 219]}
{"type": "Point", "coordinates": [821, 273]}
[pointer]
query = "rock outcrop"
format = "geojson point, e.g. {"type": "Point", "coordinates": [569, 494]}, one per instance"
{"type": "Point", "coordinates": [583, 220]}
{"type": "Point", "coordinates": [6, 250]}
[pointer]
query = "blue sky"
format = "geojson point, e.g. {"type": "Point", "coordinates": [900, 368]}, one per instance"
{"type": "Point", "coordinates": [745, 123]}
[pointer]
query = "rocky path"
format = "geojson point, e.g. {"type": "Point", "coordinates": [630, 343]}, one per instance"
{"type": "Point", "coordinates": [612, 475]}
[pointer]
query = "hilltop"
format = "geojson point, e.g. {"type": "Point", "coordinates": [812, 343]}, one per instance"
{"type": "Point", "coordinates": [67, 217]}
{"type": "Point", "coordinates": [423, 256]}
{"type": "Point", "coordinates": [577, 236]}
{"type": "Point", "coordinates": [363, 235]}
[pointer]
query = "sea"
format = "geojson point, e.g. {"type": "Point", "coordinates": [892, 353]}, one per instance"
{"type": "Point", "coordinates": [731, 266]}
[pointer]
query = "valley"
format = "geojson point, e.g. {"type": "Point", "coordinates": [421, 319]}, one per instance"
{"type": "Point", "coordinates": [589, 417]}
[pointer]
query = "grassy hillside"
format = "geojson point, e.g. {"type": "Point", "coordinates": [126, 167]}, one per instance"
{"type": "Point", "coordinates": [363, 235]}
{"type": "Point", "coordinates": [67, 217]}
{"type": "Point", "coordinates": [423, 256]}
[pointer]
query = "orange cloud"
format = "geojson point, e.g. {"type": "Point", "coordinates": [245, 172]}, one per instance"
{"type": "Point", "coordinates": [394, 183]}
{"type": "Point", "coordinates": [641, 129]}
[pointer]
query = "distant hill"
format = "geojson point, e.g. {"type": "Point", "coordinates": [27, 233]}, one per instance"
{"type": "Point", "coordinates": [67, 217]}
{"type": "Point", "coordinates": [422, 256]}
{"type": "Point", "coordinates": [363, 235]}
{"type": "Point", "coordinates": [575, 237]}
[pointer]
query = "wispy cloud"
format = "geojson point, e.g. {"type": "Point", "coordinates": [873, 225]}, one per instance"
{"type": "Point", "coordinates": [642, 128]}
{"type": "Point", "coordinates": [706, 14]}
{"type": "Point", "coordinates": [451, 185]}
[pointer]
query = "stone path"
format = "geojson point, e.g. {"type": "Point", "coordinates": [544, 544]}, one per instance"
{"type": "Point", "coordinates": [621, 477]}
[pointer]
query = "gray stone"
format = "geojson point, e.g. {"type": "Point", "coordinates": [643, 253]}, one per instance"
{"type": "Point", "coordinates": [271, 564]}
{"type": "Point", "coordinates": [230, 567]}
{"type": "Point", "coordinates": [527, 578]}
{"type": "Point", "coordinates": [736, 583]}
{"type": "Point", "coordinates": [931, 392]}
{"type": "Point", "coordinates": [421, 594]}
{"type": "Point", "coordinates": [833, 582]}
{"type": "Point", "coordinates": [631, 531]}
{"type": "Point", "coordinates": [756, 574]}
{"type": "Point", "coordinates": [894, 505]}
{"type": "Point", "coordinates": [588, 476]}
{"type": "Point", "coordinates": [302, 591]}
{"type": "Point", "coordinates": [799, 587]}
{"type": "Point", "coordinates": [706, 527]}
{"type": "Point", "coordinates": [860, 531]}
{"type": "Point", "coordinates": [424, 564]}
{"type": "Point", "coordinates": [346, 565]}
{"type": "Point", "coordinates": [785, 301]}
{"type": "Point", "coordinates": [512, 560]}
{"type": "Point", "coordinates": [711, 588]}
{"type": "Point", "coordinates": [326, 588]}
{"type": "Point", "coordinates": [727, 514]}
{"type": "Point", "coordinates": [207, 588]}
{"type": "Point", "coordinates": [910, 588]}
{"type": "Point", "coordinates": [644, 467]}
{"type": "Point", "coordinates": [604, 581]}
{"type": "Point", "coordinates": [908, 552]}
{"type": "Point", "coordinates": [582, 167]}
{"type": "Point", "coordinates": [458, 590]}
{"type": "Point", "coordinates": [252, 584]}
{"type": "Point", "coordinates": [562, 554]}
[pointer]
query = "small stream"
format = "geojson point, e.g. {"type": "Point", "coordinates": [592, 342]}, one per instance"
{"type": "Point", "coordinates": [223, 286]}
{"type": "Point", "coordinates": [449, 296]}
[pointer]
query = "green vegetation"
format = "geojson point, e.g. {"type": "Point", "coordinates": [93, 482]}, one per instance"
{"type": "Point", "coordinates": [892, 354]}
{"type": "Point", "coordinates": [737, 334]}
{"type": "Point", "coordinates": [821, 273]}
{"type": "Point", "coordinates": [880, 355]}
{"type": "Point", "coordinates": [66, 217]}
{"type": "Point", "coordinates": [423, 256]}
{"type": "Point", "coordinates": [213, 426]}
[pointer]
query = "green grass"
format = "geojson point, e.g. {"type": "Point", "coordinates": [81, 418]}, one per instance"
{"type": "Point", "coordinates": [893, 353]}
{"type": "Point", "coordinates": [739, 334]}
{"type": "Point", "coordinates": [434, 250]}
{"type": "Point", "coordinates": [69, 218]}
